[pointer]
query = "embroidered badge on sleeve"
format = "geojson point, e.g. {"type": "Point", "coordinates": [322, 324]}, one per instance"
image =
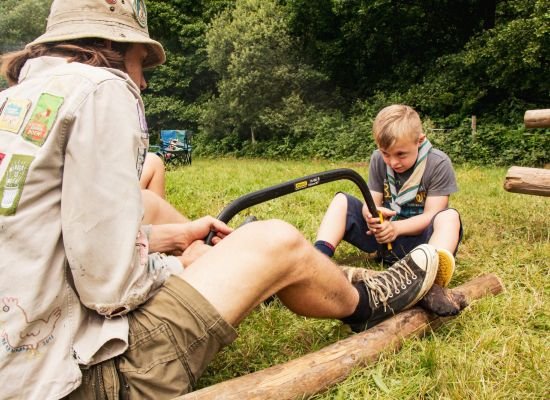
{"type": "Point", "coordinates": [13, 114]}
{"type": "Point", "coordinates": [42, 118]}
{"type": "Point", "coordinates": [12, 183]}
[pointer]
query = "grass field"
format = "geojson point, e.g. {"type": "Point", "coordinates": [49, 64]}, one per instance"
{"type": "Point", "coordinates": [498, 348]}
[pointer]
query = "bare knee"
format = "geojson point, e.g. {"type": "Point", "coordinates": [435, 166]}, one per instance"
{"type": "Point", "coordinates": [152, 176]}
{"type": "Point", "coordinates": [448, 217]}
{"type": "Point", "coordinates": [274, 240]}
{"type": "Point", "coordinates": [276, 235]}
{"type": "Point", "coordinates": [156, 162]}
{"type": "Point", "coordinates": [340, 202]}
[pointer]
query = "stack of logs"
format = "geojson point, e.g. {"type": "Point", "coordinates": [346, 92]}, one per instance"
{"type": "Point", "coordinates": [535, 181]}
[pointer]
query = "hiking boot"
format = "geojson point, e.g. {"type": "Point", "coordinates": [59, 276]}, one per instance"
{"type": "Point", "coordinates": [446, 268]}
{"type": "Point", "coordinates": [401, 286]}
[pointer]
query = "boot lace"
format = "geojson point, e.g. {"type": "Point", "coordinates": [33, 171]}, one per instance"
{"type": "Point", "coordinates": [386, 284]}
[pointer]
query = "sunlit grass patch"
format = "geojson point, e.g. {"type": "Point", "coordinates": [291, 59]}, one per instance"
{"type": "Point", "coordinates": [496, 349]}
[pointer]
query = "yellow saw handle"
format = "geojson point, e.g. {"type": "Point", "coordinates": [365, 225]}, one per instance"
{"type": "Point", "coordinates": [390, 247]}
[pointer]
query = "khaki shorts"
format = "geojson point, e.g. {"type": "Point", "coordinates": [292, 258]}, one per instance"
{"type": "Point", "coordinates": [173, 337]}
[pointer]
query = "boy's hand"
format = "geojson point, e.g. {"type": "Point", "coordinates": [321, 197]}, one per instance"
{"type": "Point", "coordinates": [383, 232]}
{"type": "Point", "coordinates": [386, 212]}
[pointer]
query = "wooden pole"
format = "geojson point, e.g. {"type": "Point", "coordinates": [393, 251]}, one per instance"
{"type": "Point", "coordinates": [315, 372]}
{"type": "Point", "coordinates": [528, 181]}
{"type": "Point", "coordinates": [537, 118]}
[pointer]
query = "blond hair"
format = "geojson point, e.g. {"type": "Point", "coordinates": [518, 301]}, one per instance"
{"type": "Point", "coordinates": [394, 123]}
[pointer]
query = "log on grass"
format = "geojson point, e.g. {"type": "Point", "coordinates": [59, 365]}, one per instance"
{"type": "Point", "coordinates": [528, 181]}
{"type": "Point", "coordinates": [537, 118]}
{"type": "Point", "coordinates": [316, 372]}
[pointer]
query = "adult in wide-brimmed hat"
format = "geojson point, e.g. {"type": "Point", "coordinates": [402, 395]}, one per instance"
{"type": "Point", "coordinates": [116, 20]}
{"type": "Point", "coordinates": [94, 297]}
{"type": "Point", "coordinates": [84, 30]}
{"type": "Point", "coordinates": [73, 138]}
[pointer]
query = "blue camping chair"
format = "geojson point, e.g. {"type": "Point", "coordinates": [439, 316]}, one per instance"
{"type": "Point", "coordinates": [175, 146]}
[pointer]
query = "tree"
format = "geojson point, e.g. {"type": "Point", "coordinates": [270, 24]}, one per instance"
{"type": "Point", "coordinates": [250, 49]}
{"type": "Point", "coordinates": [178, 88]}
{"type": "Point", "coordinates": [502, 71]}
{"type": "Point", "coordinates": [366, 46]}
{"type": "Point", "coordinates": [21, 21]}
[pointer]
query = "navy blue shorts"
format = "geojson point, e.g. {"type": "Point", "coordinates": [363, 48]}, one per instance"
{"type": "Point", "coordinates": [356, 234]}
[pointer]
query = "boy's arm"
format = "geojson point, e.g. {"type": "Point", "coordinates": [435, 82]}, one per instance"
{"type": "Point", "coordinates": [388, 231]}
{"type": "Point", "coordinates": [378, 198]}
{"type": "Point", "coordinates": [415, 225]}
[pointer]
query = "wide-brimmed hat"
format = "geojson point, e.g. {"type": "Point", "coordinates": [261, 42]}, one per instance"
{"type": "Point", "coordinates": [117, 20]}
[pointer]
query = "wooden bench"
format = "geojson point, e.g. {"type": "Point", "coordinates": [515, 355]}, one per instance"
{"type": "Point", "coordinates": [535, 181]}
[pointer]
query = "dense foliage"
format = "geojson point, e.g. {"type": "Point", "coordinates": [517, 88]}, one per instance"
{"type": "Point", "coordinates": [305, 78]}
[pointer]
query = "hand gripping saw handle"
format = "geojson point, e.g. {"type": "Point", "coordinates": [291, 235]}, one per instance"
{"type": "Point", "coordinates": [295, 185]}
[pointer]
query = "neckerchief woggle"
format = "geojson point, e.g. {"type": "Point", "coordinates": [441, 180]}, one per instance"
{"type": "Point", "coordinates": [410, 188]}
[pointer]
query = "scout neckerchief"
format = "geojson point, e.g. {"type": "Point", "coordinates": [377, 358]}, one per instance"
{"type": "Point", "coordinates": [408, 191]}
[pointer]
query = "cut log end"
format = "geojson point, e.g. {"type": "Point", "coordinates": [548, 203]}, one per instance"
{"type": "Point", "coordinates": [537, 118]}
{"type": "Point", "coordinates": [535, 181]}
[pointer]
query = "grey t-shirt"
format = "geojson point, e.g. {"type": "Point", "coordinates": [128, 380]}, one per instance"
{"type": "Point", "coordinates": [438, 179]}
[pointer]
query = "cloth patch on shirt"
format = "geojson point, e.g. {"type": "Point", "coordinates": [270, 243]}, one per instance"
{"type": "Point", "coordinates": [12, 183]}
{"type": "Point", "coordinates": [13, 114]}
{"type": "Point", "coordinates": [42, 118]}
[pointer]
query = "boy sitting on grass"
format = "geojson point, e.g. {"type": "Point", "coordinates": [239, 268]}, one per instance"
{"type": "Point", "coordinates": [410, 182]}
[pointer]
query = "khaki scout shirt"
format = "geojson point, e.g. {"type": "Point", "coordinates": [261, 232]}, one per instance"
{"type": "Point", "coordinates": [73, 254]}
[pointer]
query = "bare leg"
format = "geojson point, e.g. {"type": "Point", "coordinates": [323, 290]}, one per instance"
{"type": "Point", "coordinates": [333, 225]}
{"type": "Point", "coordinates": [440, 300]}
{"type": "Point", "coordinates": [152, 176]}
{"type": "Point", "coordinates": [446, 230]}
{"type": "Point", "coordinates": [268, 257]}
{"type": "Point", "coordinates": [159, 211]}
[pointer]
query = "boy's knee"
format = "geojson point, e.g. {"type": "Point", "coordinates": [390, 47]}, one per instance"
{"type": "Point", "coordinates": [340, 198]}
{"type": "Point", "coordinates": [339, 201]}
{"type": "Point", "coordinates": [448, 216]}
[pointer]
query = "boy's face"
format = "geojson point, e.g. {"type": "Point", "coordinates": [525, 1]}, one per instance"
{"type": "Point", "coordinates": [403, 154]}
